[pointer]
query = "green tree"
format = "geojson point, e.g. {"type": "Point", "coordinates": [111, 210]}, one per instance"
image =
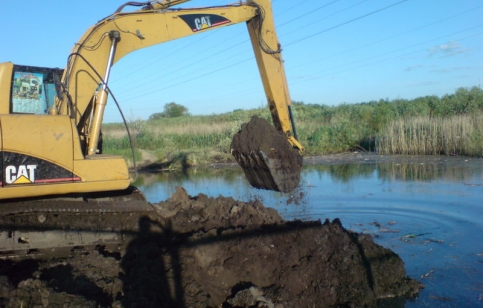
{"type": "Point", "coordinates": [171, 110]}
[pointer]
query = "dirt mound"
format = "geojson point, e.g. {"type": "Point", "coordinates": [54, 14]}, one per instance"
{"type": "Point", "coordinates": [267, 158]}
{"type": "Point", "coordinates": [212, 252]}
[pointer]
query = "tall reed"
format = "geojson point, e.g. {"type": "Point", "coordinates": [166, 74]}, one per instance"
{"type": "Point", "coordinates": [425, 135]}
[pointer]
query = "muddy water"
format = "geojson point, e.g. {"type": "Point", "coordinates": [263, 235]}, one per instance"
{"type": "Point", "coordinates": [429, 210]}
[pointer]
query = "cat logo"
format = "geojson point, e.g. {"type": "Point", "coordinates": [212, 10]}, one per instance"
{"type": "Point", "coordinates": [198, 22]}
{"type": "Point", "coordinates": [202, 23]}
{"type": "Point", "coordinates": [23, 174]}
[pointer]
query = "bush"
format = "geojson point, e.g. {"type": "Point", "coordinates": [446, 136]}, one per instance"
{"type": "Point", "coordinates": [171, 110]}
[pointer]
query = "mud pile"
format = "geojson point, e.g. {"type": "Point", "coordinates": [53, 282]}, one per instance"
{"type": "Point", "coordinates": [211, 252]}
{"type": "Point", "coordinates": [267, 158]}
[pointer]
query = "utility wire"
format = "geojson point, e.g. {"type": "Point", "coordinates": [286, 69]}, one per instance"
{"type": "Point", "coordinates": [290, 8]}
{"type": "Point", "coordinates": [339, 25]}
{"type": "Point", "coordinates": [191, 64]}
{"type": "Point", "coordinates": [191, 79]}
{"type": "Point", "coordinates": [190, 43]}
{"type": "Point", "coordinates": [178, 69]}
{"type": "Point", "coordinates": [312, 11]}
{"type": "Point", "coordinates": [163, 57]}
{"type": "Point", "coordinates": [389, 37]}
{"type": "Point", "coordinates": [323, 31]}
{"type": "Point", "coordinates": [362, 60]}
{"type": "Point", "coordinates": [345, 23]}
{"type": "Point", "coordinates": [399, 56]}
{"type": "Point", "coordinates": [325, 17]}
{"type": "Point", "coordinates": [245, 60]}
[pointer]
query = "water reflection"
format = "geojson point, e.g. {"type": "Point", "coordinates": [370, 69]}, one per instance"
{"type": "Point", "coordinates": [451, 171]}
{"type": "Point", "coordinates": [426, 209]}
{"type": "Point", "coordinates": [462, 169]}
{"type": "Point", "coordinates": [326, 181]}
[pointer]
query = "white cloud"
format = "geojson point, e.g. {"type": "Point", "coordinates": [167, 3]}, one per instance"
{"type": "Point", "coordinates": [449, 49]}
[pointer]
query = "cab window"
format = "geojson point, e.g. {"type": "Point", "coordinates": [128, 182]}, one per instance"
{"type": "Point", "coordinates": [34, 89]}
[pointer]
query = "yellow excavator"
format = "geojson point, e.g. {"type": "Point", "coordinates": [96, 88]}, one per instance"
{"type": "Point", "coordinates": [50, 119]}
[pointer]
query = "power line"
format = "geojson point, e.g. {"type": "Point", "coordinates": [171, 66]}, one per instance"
{"type": "Point", "coordinates": [308, 37]}
{"type": "Point", "coordinates": [290, 8]}
{"type": "Point", "coordinates": [399, 49]}
{"type": "Point", "coordinates": [390, 37]}
{"type": "Point", "coordinates": [191, 79]}
{"type": "Point", "coordinates": [366, 59]}
{"type": "Point", "coordinates": [325, 17]}
{"type": "Point", "coordinates": [163, 58]}
{"type": "Point", "coordinates": [345, 23]}
{"type": "Point", "coordinates": [312, 11]}
{"type": "Point", "coordinates": [334, 27]}
{"type": "Point", "coordinates": [178, 69]}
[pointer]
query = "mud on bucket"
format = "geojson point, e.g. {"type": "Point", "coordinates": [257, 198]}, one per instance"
{"type": "Point", "coordinates": [266, 156]}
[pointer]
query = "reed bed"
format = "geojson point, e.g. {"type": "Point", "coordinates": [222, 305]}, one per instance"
{"type": "Point", "coordinates": [456, 135]}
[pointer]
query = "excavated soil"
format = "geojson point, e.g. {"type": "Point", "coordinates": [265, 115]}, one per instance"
{"type": "Point", "coordinates": [267, 158]}
{"type": "Point", "coordinates": [207, 252]}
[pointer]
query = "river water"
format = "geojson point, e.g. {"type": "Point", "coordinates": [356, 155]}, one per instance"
{"type": "Point", "coordinates": [429, 210]}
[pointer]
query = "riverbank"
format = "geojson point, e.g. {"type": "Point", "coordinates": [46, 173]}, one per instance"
{"type": "Point", "coordinates": [146, 164]}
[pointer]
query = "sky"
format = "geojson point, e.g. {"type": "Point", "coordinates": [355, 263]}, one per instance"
{"type": "Point", "coordinates": [335, 52]}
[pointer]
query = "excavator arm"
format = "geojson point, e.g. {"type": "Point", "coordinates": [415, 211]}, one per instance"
{"type": "Point", "coordinates": [121, 33]}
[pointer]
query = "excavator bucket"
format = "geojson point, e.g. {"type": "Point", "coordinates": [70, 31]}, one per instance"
{"type": "Point", "coordinates": [266, 156]}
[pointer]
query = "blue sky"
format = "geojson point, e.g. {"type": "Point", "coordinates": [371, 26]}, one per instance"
{"type": "Point", "coordinates": [345, 51]}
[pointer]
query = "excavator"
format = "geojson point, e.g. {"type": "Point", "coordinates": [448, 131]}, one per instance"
{"type": "Point", "coordinates": [51, 118]}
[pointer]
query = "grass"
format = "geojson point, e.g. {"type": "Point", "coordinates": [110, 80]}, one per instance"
{"type": "Point", "coordinates": [198, 140]}
{"type": "Point", "coordinates": [448, 125]}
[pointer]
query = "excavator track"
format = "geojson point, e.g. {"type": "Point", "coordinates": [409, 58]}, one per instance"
{"type": "Point", "coordinates": [53, 226]}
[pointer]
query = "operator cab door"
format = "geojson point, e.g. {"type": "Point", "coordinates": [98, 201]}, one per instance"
{"type": "Point", "coordinates": [36, 148]}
